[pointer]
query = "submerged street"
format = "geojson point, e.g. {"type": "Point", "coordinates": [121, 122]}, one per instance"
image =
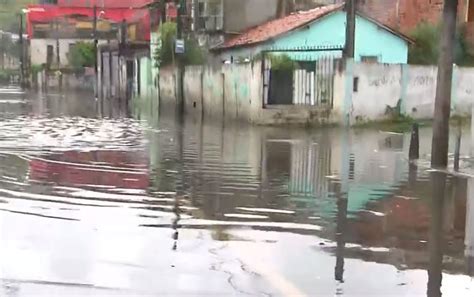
{"type": "Point", "coordinates": [95, 201]}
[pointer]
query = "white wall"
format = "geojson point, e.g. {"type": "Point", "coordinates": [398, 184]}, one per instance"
{"type": "Point", "coordinates": [38, 49]}
{"type": "Point", "coordinates": [378, 87]}
{"type": "Point", "coordinates": [464, 86]}
{"type": "Point", "coordinates": [383, 85]}
{"type": "Point", "coordinates": [421, 91]}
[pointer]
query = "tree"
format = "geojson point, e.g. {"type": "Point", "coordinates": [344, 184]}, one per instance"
{"type": "Point", "coordinates": [82, 55]}
{"type": "Point", "coordinates": [164, 55]}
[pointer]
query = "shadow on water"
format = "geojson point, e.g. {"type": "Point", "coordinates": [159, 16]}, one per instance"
{"type": "Point", "coordinates": [147, 204]}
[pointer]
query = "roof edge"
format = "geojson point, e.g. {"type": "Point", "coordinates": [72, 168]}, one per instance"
{"type": "Point", "coordinates": [222, 48]}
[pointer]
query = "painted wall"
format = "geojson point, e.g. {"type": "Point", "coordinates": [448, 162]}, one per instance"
{"type": "Point", "coordinates": [39, 49]}
{"type": "Point", "coordinates": [371, 40]}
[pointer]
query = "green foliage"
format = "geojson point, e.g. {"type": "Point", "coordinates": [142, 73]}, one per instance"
{"type": "Point", "coordinates": [425, 50]}
{"type": "Point", "coordinates": [82, 55]}
{"type": "Point", "coordinates": [282, 62]}
{"type": "Point", "coordinates": [164, 53]}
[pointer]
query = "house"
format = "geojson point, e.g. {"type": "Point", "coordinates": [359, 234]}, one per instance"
{"type": "Point", "coordinates": [53, 30]}
{"type": "Point", "coordinates": [320, 32]}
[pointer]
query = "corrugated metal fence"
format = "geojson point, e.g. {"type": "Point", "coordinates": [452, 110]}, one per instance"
{"type": "Point", "coordinates": [315, 87]}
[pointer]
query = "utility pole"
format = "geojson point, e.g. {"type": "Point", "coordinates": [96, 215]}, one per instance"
{"type": "Point", "coordinates": [96, 65]}
{"type": "Point", "coordinates": [22, 53]}
{"type": "Point", "coordinates": [58, 56]}
{"type": "Point", "coordinates": [180, 92]}
{"type": "Point", "coordinates": [349, 49]}
{"type": "Point", "coordinates": [440, 144]}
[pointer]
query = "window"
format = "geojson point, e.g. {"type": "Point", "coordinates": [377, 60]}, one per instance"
{"type": "Point", "coordinates": [369, 59]}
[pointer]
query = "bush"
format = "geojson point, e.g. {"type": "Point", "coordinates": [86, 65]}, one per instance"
{"type": "Point", "coordinates": [425, 50]}
{"type": "Point", "coordinates": [82, 55]}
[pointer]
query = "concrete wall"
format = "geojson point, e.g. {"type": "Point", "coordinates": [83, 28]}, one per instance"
{"type": "Point", "coordinates": [371, 40]}
{"type": "Point", "coordinates": [362, 92]}
{"type": "Point", "coordinates": [167, 86]}
{"type": "Point", "coordinates": [375, 81]}
{"type": "Point", "coordinates": [243, 14]}
{"type": "Point", "coordinates": [233, 92]}
{"type": "Point", "coordinates": [39, 49]}
{"type": "Point", "coordinates": [379, 88]}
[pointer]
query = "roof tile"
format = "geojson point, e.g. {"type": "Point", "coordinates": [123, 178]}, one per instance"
{"type": "Point", "coordinates": [280, 26]}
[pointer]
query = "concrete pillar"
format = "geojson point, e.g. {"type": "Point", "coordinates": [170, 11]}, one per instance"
{"type": "Point", "coordinates": [348, 89]}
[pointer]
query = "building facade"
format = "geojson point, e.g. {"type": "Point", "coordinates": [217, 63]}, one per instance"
{"type": "Point", "coordinates": [53, 30]}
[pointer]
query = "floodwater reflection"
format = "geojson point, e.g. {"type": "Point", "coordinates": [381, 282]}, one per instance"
{"type": "Point", "coordinates": [93, 202]}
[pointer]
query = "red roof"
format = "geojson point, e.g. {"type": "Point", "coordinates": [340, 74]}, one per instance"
{"type": "Point", "coordinates": [103, 3]}
{"type": "Point", "coordinates": [280, 26]}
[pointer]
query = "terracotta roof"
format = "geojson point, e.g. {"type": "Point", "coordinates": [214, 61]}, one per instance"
{"type": "Point", "coordinates": [280, 26]}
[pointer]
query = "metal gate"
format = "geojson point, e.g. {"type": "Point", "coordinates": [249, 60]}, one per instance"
{"type": "Point", "coordinates": [315, 87]}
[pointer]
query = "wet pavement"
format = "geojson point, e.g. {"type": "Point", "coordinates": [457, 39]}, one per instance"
{"type": "Point", "coordinates": [97, 202]}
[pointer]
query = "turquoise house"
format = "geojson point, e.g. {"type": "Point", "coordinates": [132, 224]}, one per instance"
{"type": "Point", "coordinates": [320, 32]}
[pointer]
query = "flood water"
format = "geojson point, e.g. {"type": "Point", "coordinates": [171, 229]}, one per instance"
{"type": "Point", "coordinates": [97, 202]}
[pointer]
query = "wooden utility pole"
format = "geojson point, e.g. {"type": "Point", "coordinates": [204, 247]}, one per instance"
{"type": "Point", "coordinates": [440, 144]}
{"type": "Point", "coordinates": [163, 11]}
{"type": "Point", "coordinates": [180, 63]}
{"type": "Point", "coordinates": [349, 49]}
